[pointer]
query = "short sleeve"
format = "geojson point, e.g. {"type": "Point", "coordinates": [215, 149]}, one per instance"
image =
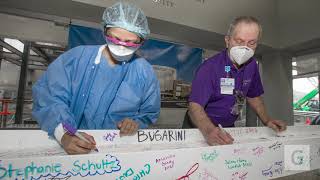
{"type": "Point", "coordinates": [202, 85]}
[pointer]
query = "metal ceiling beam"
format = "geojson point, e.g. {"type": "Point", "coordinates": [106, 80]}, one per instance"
{"type": "Point", "coordinates": [13, 61]}
{"type": "Point", "coordinates": [8, 55]}
{"type": "Point", "coordinates": [305, 75]}
{"type": "Point", "coordinates": [16, 53]}
{"type": "Point", "coordinates": [48, 47]}
{"type": "Point", "coordinates": [41, 53]}
{"type": "Point", "coordinates": [36, 67]}
{"type": "Point", "coordinates": [307, 51]}
{"type": "Point", "coordinates": [30, 66]}
{"type": "Point", "coordinates": [10, 48]}
{"type": "Point", "coordinates": [17, 57]}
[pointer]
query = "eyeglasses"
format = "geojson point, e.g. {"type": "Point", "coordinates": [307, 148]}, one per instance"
{"type": "Point", "coordinates": [238, 105]}
{"type": "Point", "coordinates": [239, 42]}
{"type": "Point", "coordinates": [122, 43]}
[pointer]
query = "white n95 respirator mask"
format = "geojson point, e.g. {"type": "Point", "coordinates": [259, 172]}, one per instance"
{"type": "Point", "coordinates": [241, 54]}
{"type": "Point", "coordinates": [121, 53]}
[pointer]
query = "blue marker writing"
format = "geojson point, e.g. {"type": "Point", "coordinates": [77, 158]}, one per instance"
{"type": "Point", "coordinates": [72, 131]}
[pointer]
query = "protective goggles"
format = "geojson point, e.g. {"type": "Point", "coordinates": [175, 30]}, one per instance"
{"type": "Point", "coordinates": [121, 43]}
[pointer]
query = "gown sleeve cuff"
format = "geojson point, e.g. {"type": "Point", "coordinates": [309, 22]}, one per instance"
{"type": "Point", "coordinates": [59, 132]}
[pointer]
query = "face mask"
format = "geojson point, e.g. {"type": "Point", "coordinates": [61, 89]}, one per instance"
{"type": "Point", "coordinates": [121, 53]}
{"type": "Point", "coordinates": [241, 54]}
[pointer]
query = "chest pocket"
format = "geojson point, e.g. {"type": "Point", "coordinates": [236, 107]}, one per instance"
{"type": "Point", "coordinates": [127, 100]}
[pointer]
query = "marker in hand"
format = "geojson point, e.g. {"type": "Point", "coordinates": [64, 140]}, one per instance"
{"type": "Point", "coordinates": [224, 131]}
{"type": "Point", "coordinates": [72, 131]}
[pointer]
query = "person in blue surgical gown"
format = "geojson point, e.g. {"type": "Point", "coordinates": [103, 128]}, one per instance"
{"type": "Point", "coordinates": [100, 87]}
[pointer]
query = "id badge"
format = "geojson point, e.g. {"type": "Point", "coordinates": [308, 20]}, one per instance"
{"type": "Point", "coordinates": [227, 86]}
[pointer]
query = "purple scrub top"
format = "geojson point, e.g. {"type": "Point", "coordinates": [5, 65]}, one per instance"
{"type": "Point", "coordinates": [206, 87]}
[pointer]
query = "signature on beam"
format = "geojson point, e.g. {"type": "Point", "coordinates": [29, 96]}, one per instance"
{"type": "Point", "coordinates": [275, 145]}
{"type": "Point", "coordinates": [239, 176]}
{"type": "Point", "coordinates": [110, 136]}
{"type": "Point", "coordinates": [193, 169]}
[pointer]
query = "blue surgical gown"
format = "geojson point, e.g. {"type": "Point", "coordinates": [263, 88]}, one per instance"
{"type": "Point", "coordinates": [76, 90]}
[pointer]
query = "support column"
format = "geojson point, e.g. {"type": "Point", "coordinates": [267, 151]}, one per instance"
{"type": "Point", "coordinates": [2, 119]}
{"type": "Point", "coordinates": [276, 74]}
{"type": "Point", "coordinates": [251, 117]}
{"type": "Point", "coordinates": [318, 89]}
{"type": "Point", "coordinates": [22, 83]}
{"type": "Point", "coordinates": [1, 50]}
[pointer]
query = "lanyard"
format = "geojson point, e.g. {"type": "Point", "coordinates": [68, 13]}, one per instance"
{"type": "Point", "coordinates": [227, 69]}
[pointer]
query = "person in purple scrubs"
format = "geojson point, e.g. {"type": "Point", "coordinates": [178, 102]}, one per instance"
{"type": "Point", "coordinates": [224, 81]}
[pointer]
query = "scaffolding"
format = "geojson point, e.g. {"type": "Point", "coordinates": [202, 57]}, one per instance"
{"type": "Point", "coordinates": [34, 56]}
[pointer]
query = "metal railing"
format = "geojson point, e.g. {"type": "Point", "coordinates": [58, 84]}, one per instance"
{"type": "Point", "coordinates": [303, 117]}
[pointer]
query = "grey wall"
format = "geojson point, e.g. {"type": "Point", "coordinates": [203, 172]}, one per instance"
{"type": "Point", "coordinates": [298, 21]}
{"type": "Point", "coordinates": [285, 22]}
{"type": "Point", "coordinates": [32, 29]}
{"type": "Point", "coordinates": [213, 15]}
{"type": "Point", "coordinates": [185, 21]}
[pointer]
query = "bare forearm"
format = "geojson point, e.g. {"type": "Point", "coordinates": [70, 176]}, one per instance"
{"type": "Point", "coordinates": [258, 106]}
{"type": "Point", "coordinates": [211, 133]}
{"type": "Point", "coordinates": [199, 117]}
